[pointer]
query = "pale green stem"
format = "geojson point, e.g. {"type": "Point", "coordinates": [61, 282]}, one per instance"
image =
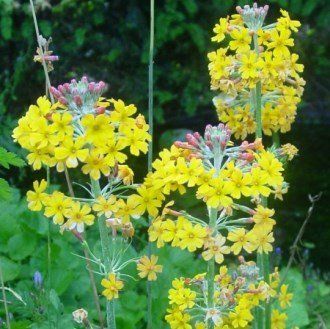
{"type": "Point", "coordinates": [4, 297]}
{"type": "Point", "coordinates": [106, 253]}
{"type": "Point", "coordinates": [213, 215]}
{"type": "Point", "coordinates": [263, 315]}
{"type": "Point", "coordinates": [151, 128]}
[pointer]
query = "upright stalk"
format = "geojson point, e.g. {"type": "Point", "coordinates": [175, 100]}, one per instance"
{"type": "Point", "coordinates": [48, 85]}
{"type": "Point", "coordinates": [106, 253]}
{"type": "Point", "coordinates": [4, 297]}
{"type": "Point", "coordinates": [213, 214]}
{"type": "Point", "coordinates": [151, 128]}
{"type": "Point", "coordinates": [263, 315]}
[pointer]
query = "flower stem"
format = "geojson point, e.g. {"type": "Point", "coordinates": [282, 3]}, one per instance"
{"type": "Point", "coordinates": [151, 126]}
{"type": "Point", "coordinates": [106, 253]}
{"type": "Point", "coordinates": [213, 213]}
{"type": "Point", "coordinates": [4, 297]}
{"type": "Point", "coordinates": [263, 315]}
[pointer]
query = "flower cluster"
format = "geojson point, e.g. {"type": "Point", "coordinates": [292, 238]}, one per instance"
{"type": "Point", "coordinates": [231, 181]}
{"type": "Point", "coordinates": [83, 129]}
{"type": "Point", "coordinates": [221, 175]}
{"type": "Point", "coordinates": [236, 294]}
{"type": "Point", "coordinates": [85, 132]}
{"type": "Point", "coordinates": [255, 56]}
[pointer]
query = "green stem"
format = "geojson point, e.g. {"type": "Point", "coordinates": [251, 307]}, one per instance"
{"type": "Point", "coordinates": [4, 297]}
{"type": "Point", "coordinates": [211, 268]}
{"type": "Point", "coordinates": [263, 315]}
{"type": "Point", "coordinates": [106, 253]}
{"type": "Point", "coordinates": [151, 129]}
{"type": "Point", "coordinates": [276, 139]}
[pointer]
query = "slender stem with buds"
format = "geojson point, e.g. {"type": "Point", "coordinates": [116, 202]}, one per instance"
{"type": "Point", "coordinates": [213, 215]}
{"type": "Point", "coordinates": [48, 85]}
{"type": "Point", "coordinates": [263, 315]}
{"type": "Point", "coordinates": [150, 152]}
{"type": "Point", "coordinates": [106, 253]}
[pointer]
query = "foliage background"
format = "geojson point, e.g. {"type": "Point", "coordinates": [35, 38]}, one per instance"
{"type": "Point", "coordinates": [108, 40]}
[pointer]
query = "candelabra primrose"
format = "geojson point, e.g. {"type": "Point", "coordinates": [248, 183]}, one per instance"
{"type": "Point", "coordinates": [230, 180]}
{"type": "Point", "coordinates": [86, 132]}
{"type": "Point", "coordinates": [254, 54]}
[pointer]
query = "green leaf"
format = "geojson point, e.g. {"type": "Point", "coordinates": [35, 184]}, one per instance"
{"type": "Point", "coordinates": [6, 26]}
{"type": "Point", "coordinates": [9, 158]}
{"type": "Point", "coordinates": [10, 270]}
{"type": "Point", "coordinates": [309, 6]}
{"type": "Point", "coordinates": [22, 245]}
{"type": "Point", "coordinates": [55, 301]}
{"type": "Point", "coordinates": [298, 312]}
{"type": "Point", "coordinates": [5, 190]}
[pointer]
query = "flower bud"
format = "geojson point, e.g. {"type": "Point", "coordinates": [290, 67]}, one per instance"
{"type": "Point", "coordinates": [37, 280]}
{"type": "Point", "coordinates": [80, 315]}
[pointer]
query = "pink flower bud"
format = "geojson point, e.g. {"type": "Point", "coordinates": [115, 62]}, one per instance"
{"type": "Point", "coordinates": [77, 99]}
{"type": "Point", "coordinates": [100, 110]}
{"type": "Point", "coordinates": [91, 86]}
{"type": "Point", "coordinates": [84, 79]}
{"type": "Point", "coordinates": [63, 100]}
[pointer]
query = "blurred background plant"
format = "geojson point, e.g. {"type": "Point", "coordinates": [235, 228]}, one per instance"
{"type": "Point", "coordinates": [108, 40]}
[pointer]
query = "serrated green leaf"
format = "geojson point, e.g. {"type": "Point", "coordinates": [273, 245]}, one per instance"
{"type": "Point", "coordinates": [10, 270]}
{"type": "Point", "coordinates": [10, 159]}
{"type": "Point", "coordinates": [5, 190]}
{"type": "Point", "coordinates": [22, 245]}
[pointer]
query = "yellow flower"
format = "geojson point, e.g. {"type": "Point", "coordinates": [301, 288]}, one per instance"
{"type": "Point", "coordinates": [280, 41]}
{"type": "Point", "coordinates": [241, 240]}
{"type": "Point", "coordinates": [70, 151]}
{"type": "Point", "coordinates": [262, 240]}
{"type": "Point", "coordinates": [215, 248]}
{"type": "Point", "coordinates": [240, 184]}
{"type": "Point", "coordinates": [112, 286]}
{"type": "Point", "coordinates": [136, 140]}
{"type": "Point", "coordinates": [147, 199]}
{"type": "Point", "coordinates": [155, 232]}
{"type": "Point", "coordinates": [240, 318]}
{"type": "Point", "coordinates": [250, 65]}
{"type": "Point", "coordinates": [97, 128]}
{"type": "Point", "coordinates": [191, 236]}
{"type": "Point", "coordinates": [122, 113]}
{"type": "Point", "coordinates": [105, 206]}
{"type": "Point", "coordinates": [62, 124]}
{"type": "Point", "coordinates": [126, 174]}
{"type": "Point", "coordinates": [271, 167]}
{"type": "Point", "coordinates": [220, 30]}
{"type": "Point", "coordinates": [112, 149]}
{"type": "Point", "coordinates": [259, 182]}
{"type": "Point", "coordinates": [216, 194]}
{"type": "Point", "coordinates": [36, 199]}
{"type": "Point", "coordinates": [148, 267]}
{"type": "Point", "coordinates": [127, 209]}
{"type": "Point", "coordinates": [79, 216]}
{"type": "Point", "coordinates": [286, 21]}
{"type": "Point", "coordinates": [241, 40]}
{"type": "Point", "coordinates": [262, 218]}
{"type": "Point", "coordinates": [278, 319]}
{"type": "Point", "coordinates": [95, 163]}
{"type": "Point", "coordinates": [56, 205]}
{"type": "Point", "coordinates": [284, 297]}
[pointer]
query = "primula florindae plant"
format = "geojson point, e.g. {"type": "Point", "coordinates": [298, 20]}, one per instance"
{"type": "Point", "coordinates": [260, 87]}
{"type": "Point", "coordinates": [83, 132]}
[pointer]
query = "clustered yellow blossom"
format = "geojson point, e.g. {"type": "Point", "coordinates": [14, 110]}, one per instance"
{"type": "Point", "coordinates": [253, 56]}
{"type": "Point", "coordinates": [87, 133]}
{"type": "Point", "coordinates": [90, 133]}
{"type": "Point", "coordinates": [236, 294]}
{"type": "Point", "coordinates": [247, 171]}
